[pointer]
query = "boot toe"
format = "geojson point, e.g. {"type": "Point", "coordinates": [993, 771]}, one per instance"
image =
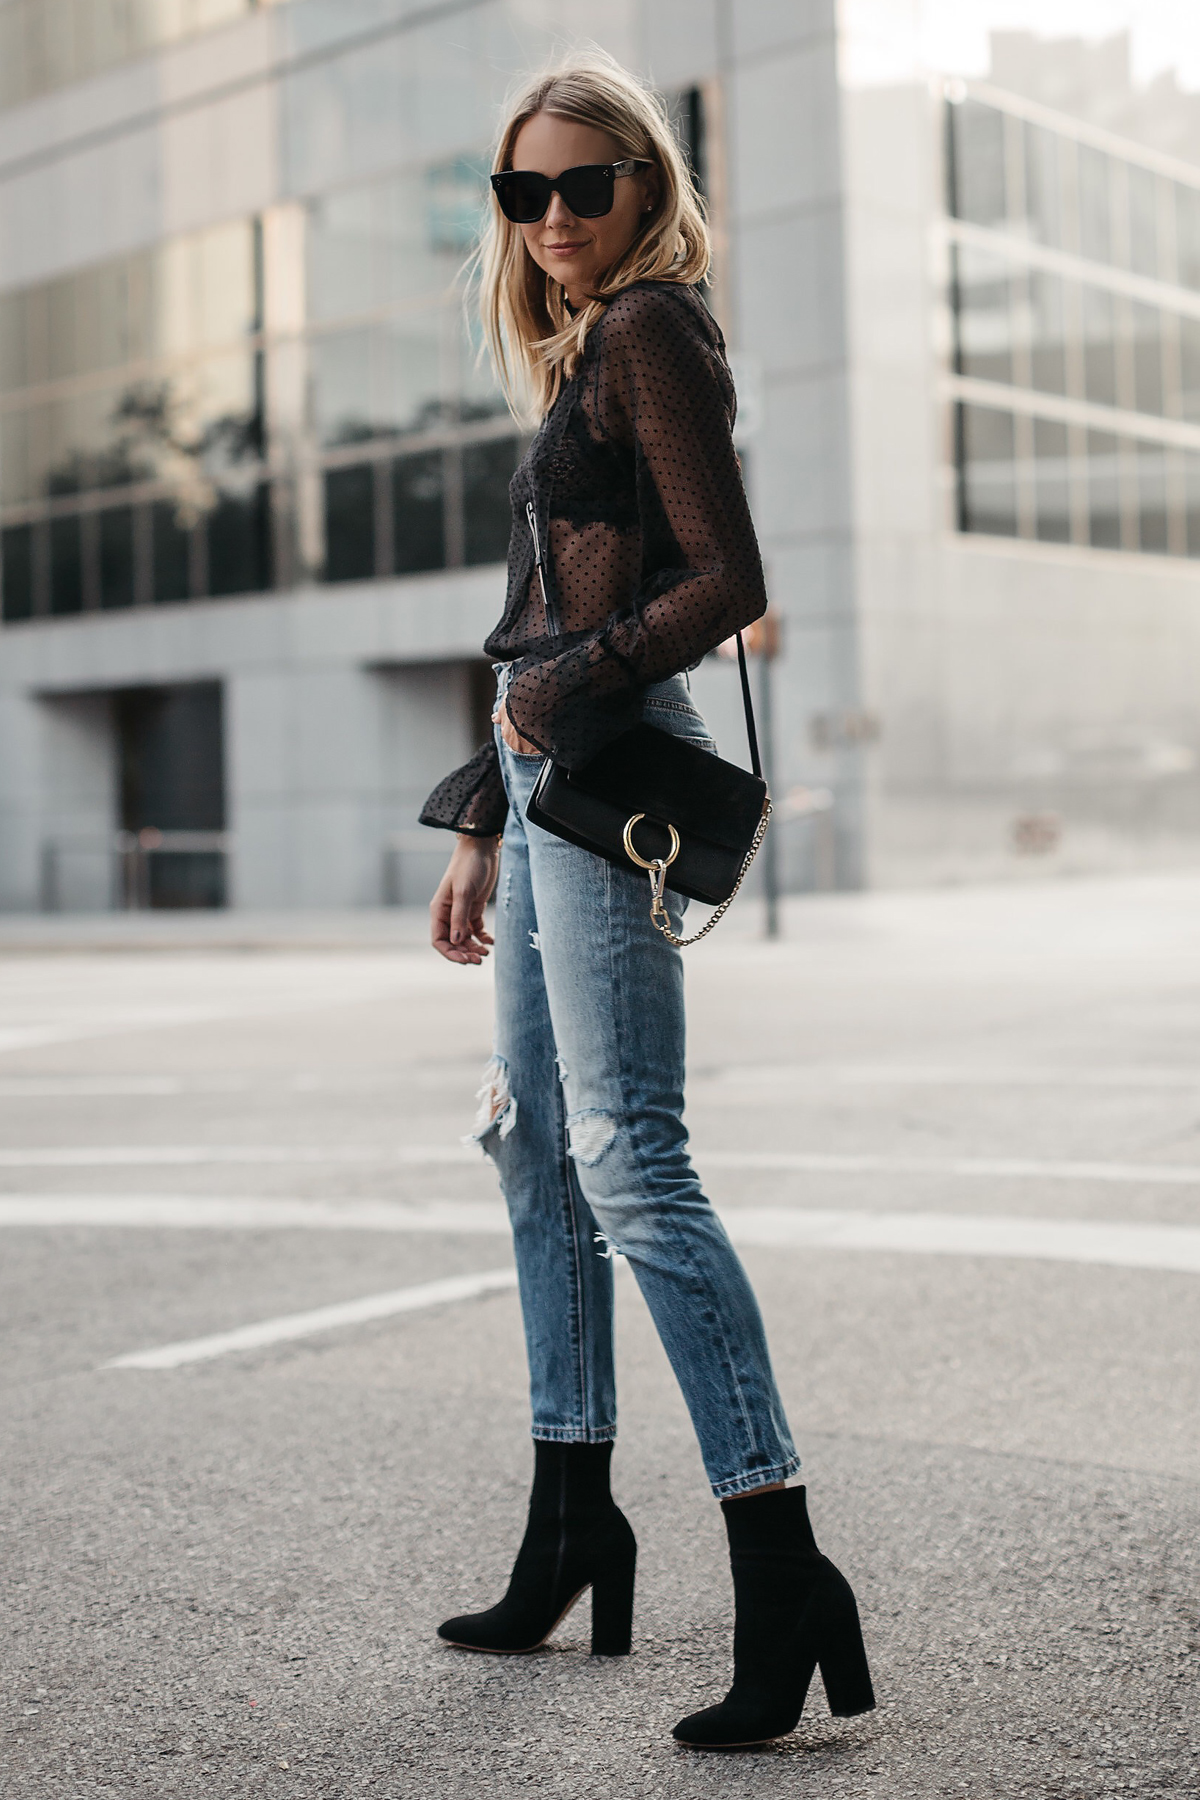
{"type": "Point", "coordinates": [723, 1728]}
{"type": "Point", "coordinates": [467, 1632]}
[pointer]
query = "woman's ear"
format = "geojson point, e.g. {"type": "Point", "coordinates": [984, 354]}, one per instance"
{"type": "Point", "coordinates": [651, 190]}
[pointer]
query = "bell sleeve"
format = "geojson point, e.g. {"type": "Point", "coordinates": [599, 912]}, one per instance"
{"type": "Point", "coordinates": [471, 799]}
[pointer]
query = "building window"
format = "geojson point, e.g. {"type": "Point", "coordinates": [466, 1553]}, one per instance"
{"type": "Point", "coordinates": [136, 458]}
{"type": "Point", "coordinates": [987, 471]}
{"type": "Point", "coordinates": [43, 48]}
{"type": "Point", "coordinates": [1074, 273]}
{"type": "Point", "coordinates": [418, 513]}
{"type": "Point", "coordinates": [1104, 490]}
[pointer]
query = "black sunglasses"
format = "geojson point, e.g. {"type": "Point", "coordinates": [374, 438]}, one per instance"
{"type": "Point", "coordinates": [586, 191]}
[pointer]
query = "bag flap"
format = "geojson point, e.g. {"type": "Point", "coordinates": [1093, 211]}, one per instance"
{"type": "Point", "coordinates": [653, 772]}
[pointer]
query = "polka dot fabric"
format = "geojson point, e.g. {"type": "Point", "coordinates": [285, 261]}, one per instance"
{"type": "Point", "coordinates": [650, 556]}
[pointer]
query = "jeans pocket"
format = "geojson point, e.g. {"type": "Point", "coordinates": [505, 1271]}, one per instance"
{"type": "Point", "coordinates": [681, 719]}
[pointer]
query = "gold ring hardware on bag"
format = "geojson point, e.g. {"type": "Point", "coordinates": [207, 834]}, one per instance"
{"type": "Point", "coordinates": [660, 918]}
{"type": "Point", "coordinates": [657, 861]}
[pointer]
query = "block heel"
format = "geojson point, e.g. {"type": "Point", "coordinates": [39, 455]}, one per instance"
{"type": "Point", "coordinates": [842, 1657]}
{"type": "Point", "coordinates": [612, 1609]}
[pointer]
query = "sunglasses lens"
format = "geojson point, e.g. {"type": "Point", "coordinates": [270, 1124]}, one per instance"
{"type": "Point", "coordinates": [523, 198]}
{"type": "Point", "coordinates": [587, 192]}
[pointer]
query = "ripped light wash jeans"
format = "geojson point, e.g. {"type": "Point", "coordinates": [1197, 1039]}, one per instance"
{"type": "Point", "coordinates": [582, 1113]}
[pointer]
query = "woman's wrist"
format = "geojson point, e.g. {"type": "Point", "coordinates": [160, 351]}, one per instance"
{"type": "Point", "coordinates": [479, 840]}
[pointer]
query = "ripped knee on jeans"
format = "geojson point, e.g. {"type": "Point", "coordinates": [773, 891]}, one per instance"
{"type": "Point", "coordinates": [497, 1105]}
{"type": "Point", "coordinates": [589, 1135]}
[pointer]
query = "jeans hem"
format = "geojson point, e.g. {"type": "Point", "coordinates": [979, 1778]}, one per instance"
{"type": "Point", "coordinates": [570, 1434]}
{"type": "Point", "coordinates": [745, 1484]}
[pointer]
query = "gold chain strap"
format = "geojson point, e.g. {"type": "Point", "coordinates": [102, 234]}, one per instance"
{"type": "Point", "coordinates": [659, 917]}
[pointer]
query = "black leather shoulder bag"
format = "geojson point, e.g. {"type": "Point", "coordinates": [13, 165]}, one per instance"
{"type": "Point", "coordinates": [650, 799]}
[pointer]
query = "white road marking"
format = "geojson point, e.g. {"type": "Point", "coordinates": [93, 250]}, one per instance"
{"type": "Point", "coordinates": [70, 1087]}
{"type": "Point", "coordinates": [150, 1156]}
{"type": "Point", "coordinates": [223, 1213]}
{"type": "Point", "coordinates": [726, 1084]}
{"type": "Point", "coordinates": [798, 1162]}
{"type": "Point", "coordinates": [322, 1318]}
{"type": "Point", "coordinates": [798, 1076]}
{"type": "Point", "coordinates": [1007, 1168]}
{"type": "Point", "coordinates": [1116, 1243]}
{"type": "Point", "coordinates": [48, 1010]}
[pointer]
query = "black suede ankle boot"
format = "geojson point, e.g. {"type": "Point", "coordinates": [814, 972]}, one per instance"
{"type": "Point", "coordinates": [577, 1537]}
{"type": "Point", "coordinates": [793, 1612]}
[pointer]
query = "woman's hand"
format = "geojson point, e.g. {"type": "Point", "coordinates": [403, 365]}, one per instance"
{"type": "Point", "coordinates": [512, 737]}
{"type": "Point", "coordinates": [456, 910]}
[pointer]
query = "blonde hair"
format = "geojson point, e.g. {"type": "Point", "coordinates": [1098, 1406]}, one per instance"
{"type": "Point", "coordinates": [535, 342]}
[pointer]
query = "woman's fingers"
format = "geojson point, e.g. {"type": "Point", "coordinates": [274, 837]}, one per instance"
{"type": "Point", "coordinates": [444, 924]}
{"type": "Point", "coordinates": [457, 910]}
{"type": "Point", "coordinates": [467, 935]}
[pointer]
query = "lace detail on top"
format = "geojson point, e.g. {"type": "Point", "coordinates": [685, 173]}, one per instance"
{"type": "Point", "coordinates": [650, 558]}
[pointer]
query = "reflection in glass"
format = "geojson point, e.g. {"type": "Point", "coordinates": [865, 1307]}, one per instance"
{"type": "Point", "coordinates": [1191, 491]}
{"type": "Point", "coordinates": [1147, 358]}
{"type": "Point", "coordinates": [456, 204]}
{"type": "Point", "coordinates": [186, 295]}
{"type": "Point", "coordinates": [13, 328]}
{"type": "Point", "coordinates": [1152, 498]}
{"type": "Point", "coordinates": [419, 528]}
{"type": "Point", "coordinates": [1095, 225]}
{"type": "Point", "coordinates": [479, 394]}
{"type": "Point", "coordinates": [116, 556]}
{"type": "Point", "coordinates": [192, 428]}
{"type": "Point", "coordinates": [341, 367]}
{"type": "Point", "coordinates": [1052, 481]}
{"type": "Point", "coordinates": [204, 289]}
{"type": "Point", "coordinates": [1187, 235]}
{"type": "Point", "coordinates": [1143, 220]}
{"type": "Point", "coordinates": [378, 381]}
{"type": "Point", "coordinates": [15, 481]}
{"type": "Point", "coordinates": [977, 163]}
{"type": "Point", "coordinates": [487, 471]}
{"type": "Point", "coordinates": [412, 394]}
{"type": "Point", "coordinates": [1099, 347]}
{"type": "Point", "coordinates": [1049, 351]}
{"type": "Point", "coordinates": [341, 247]}
{"type": "Point", "coordinates": [1104, 491]}
{"type": "Point", "coordinates": [81, 447]}
{"type": "Point", "coordinates": [1189, 368]}
{"type": "Point", "coordinates": [350, 523]}
{"type": "Point", "coordinates": [46, 44]}
{"type": "Point", "coordinates": [987, 484]}
{"type": "Point", "coordinates": [16, 571]}
{"type": "Point", "coordinates": [238, 542]}
{"type": "Point", "coordinates": [983, 315]}
{"type": "Point", "coordinates": [1043, 209]}
{"type": "Point", "coordinates": [170, 539]}
{"type": "Point", "coordinates": [66, 565]}
{"type": "Point", "coordinates": [389, 241]}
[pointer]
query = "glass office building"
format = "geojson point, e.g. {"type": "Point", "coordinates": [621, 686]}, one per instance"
{"type": "Point", "coordinates": [1075, 272]}
{"type": "Point", "coordinates": [253, 472]}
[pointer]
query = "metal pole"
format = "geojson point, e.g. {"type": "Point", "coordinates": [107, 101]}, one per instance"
{"type": "Point", "coordinates": [766, 732]}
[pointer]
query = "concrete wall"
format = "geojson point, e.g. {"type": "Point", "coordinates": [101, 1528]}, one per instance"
{"type": "Point", "coordinates": [343, 707]}
{"type": "Point", "coordinates": [788, 319]}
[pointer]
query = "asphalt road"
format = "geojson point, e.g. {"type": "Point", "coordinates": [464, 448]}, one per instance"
{"type": "Point", "coordinates": [958, 1136]}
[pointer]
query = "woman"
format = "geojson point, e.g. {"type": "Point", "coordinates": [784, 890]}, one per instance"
{"type": "Point", "coordinates": [629, 507]}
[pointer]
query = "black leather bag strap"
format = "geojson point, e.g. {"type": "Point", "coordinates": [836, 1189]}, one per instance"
{"type": "Point", "coordinates": [748, 703]}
